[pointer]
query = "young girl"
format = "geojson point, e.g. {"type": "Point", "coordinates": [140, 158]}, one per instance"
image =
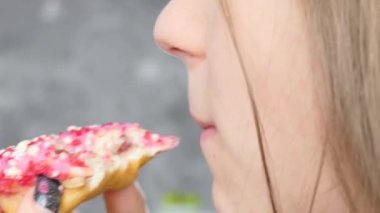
{"type": "Point", "coordinates": [287, 94]}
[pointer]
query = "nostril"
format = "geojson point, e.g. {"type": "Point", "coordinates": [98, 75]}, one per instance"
{"type": "Point", "coordinates": [180, 31]}
{"type": "Point", "coordinates": [165, 46]}
{"type": "Point", "coordinates": [179, 53]}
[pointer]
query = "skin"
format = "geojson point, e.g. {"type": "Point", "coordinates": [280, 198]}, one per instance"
{"type": "Point", "coordinates": [273, 41]}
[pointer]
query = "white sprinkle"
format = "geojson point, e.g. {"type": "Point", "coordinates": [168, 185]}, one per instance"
{"type": "Point", "coordinates": [78, 149]}
{"type": "Point", "coordinates": [55, 173]}
{"type": "Point", "coordinates": [97, 165]}
{"type": "Point", "coordinates": [135, 135]}
{"type": "Point", "coordinates": [18, 157]}
{"type": "Point", "coordinates": [67, 140]}
{"type": "Point", "coordinates": [155, 137]}
{"type": "Point", "coordinates": [62, 155]}
{"type": "Point", "coordinates": [59, 145]}
{"type": "Point", "coordinates": [88, 141]}
{"type": "Point", "coordinates": [12, 162]}
{"type": "Point", "coordinates": [33, 150]}
{"type": "Point", "coordinates": [13, 172]}
{"type": "Point", "coordinates": [6, 154]}
{"type": "Point", "coordinates": [22, 146]}
{"type": "Point", "coordinates": [47, 144]}
{"type": "Point", "coordinates": [110, 146]}
{"type": "Point", "coordinates": [82, 156]}
{"type": "Point", "coordinates": [71, 128]}
{"type": "Point", "coordinates": [116, 162]}
{"type": "Point", "coordinates": [13, 154]}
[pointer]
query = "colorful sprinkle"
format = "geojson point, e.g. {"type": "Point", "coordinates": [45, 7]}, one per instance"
{"type": "Point", "coordinates": [54, 155]}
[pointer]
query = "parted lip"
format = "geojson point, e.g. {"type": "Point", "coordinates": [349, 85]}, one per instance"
{"type": "Point", "coordinates": [201, 123]}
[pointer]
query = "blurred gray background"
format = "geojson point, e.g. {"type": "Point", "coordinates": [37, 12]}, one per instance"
{"type": "Point", "coordinates": [65, 62]}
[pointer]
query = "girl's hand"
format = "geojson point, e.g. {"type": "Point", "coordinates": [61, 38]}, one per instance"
{"type": "Point", "coordinates": [128, 200]}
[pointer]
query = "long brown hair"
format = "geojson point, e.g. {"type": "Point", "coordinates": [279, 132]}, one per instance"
{"type": "Point", "coordinates": [345, 35]}
{"type": "Point", "coordinates": [258, 126]}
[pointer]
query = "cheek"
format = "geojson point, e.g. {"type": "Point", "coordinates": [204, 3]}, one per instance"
{"type": "Point", "coordinates": [233, 155]}
{"type": "Point", "coordinates": [275, 53]}
{"type": "Point", "coordinates": [293, 130]}
{"type": "Point", "coordinates": [230, 103]}
{"type": "Point", "coordinates": [287, 97]}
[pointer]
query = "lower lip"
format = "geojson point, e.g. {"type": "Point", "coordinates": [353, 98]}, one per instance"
{"type": "Point", "coordinates": [208, 133]}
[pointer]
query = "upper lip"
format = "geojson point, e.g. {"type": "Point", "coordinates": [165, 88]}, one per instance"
{"type": "Point", "coordinates": [202, 124]}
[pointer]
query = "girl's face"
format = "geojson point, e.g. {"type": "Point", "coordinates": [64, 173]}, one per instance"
{"type": "Point", "coordinates": [273, 41]}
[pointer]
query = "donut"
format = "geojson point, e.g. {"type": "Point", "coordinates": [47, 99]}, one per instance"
{"type": "Point", "coordinates": [87, 161]}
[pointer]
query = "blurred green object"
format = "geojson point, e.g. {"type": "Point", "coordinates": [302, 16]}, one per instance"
{"type": "Point", "coordinates": [176, 201]}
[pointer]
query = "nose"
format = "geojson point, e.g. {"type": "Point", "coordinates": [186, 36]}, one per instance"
{"type": "Point", "coordinates": [180, 30]}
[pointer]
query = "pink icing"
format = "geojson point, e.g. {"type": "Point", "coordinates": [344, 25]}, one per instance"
{"type": "Point", "coordinates": [54, 155]}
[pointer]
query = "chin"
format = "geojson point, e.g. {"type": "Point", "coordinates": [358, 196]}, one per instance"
{"type": "Point", "coordinates": [219, 201]}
